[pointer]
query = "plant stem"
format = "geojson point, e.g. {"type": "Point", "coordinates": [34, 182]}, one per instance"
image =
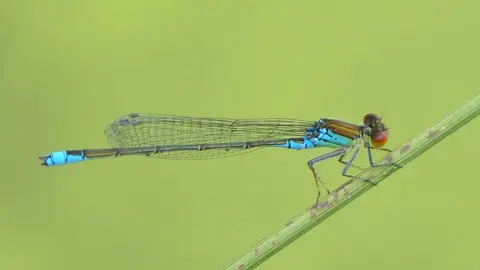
{"type": "Point", "coordinates": [345, 194]}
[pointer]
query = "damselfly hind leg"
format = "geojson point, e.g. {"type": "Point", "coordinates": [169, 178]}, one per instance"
{"type": "Point", "coordinates": [311, 164]}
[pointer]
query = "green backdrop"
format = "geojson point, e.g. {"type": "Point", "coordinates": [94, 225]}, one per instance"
{"type": "Point", "coordinates": [67, 69]}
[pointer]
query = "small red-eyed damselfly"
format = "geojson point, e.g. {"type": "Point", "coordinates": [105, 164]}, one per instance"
{"type": "Point", "coordinates": [181, 137]}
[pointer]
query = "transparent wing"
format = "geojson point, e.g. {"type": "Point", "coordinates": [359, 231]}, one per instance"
{"type": "Point", "coordinates": [141, 130]}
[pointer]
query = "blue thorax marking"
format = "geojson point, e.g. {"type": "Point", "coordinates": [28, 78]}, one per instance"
{"type": "Point", "coordinates": [318, 137]}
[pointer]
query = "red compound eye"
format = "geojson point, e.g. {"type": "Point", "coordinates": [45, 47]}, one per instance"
{"type": "Point", "coordinates": [379, 139]}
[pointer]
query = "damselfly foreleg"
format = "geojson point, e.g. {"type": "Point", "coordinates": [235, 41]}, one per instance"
{"type": "Point", "coordinates": [370, 156]}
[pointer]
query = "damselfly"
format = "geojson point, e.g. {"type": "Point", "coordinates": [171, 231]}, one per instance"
{"type": "Point", "coordinates": [180, 137]}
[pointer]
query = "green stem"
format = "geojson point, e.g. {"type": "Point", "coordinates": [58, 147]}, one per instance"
{"type": "Point", "coordinates": [345, 194]}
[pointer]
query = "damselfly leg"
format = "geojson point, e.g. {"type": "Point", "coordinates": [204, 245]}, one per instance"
{"type": "Point", "coordinates": [311, 164]}
{"type": "Point", "coordinates": [341, 153]}
{"type": "Point", "coordinates": [370, 156]}
{"type": "Point", "coordinates": [349, 164]}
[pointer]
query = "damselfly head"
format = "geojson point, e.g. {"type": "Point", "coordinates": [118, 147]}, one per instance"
{"type": "Point", "coordinates": [372, 120]}
{"type": "Point", "coordinates": [378, 133]}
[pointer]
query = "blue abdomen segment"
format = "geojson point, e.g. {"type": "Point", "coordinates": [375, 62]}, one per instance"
{"type": "Point", "coordinates": [323, 138]}
{"type": "Point", "coordinates": [63, 157]}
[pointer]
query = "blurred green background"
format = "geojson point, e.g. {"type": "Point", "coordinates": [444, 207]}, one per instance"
{"type": "Point", "coordinates": [67, 69]}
